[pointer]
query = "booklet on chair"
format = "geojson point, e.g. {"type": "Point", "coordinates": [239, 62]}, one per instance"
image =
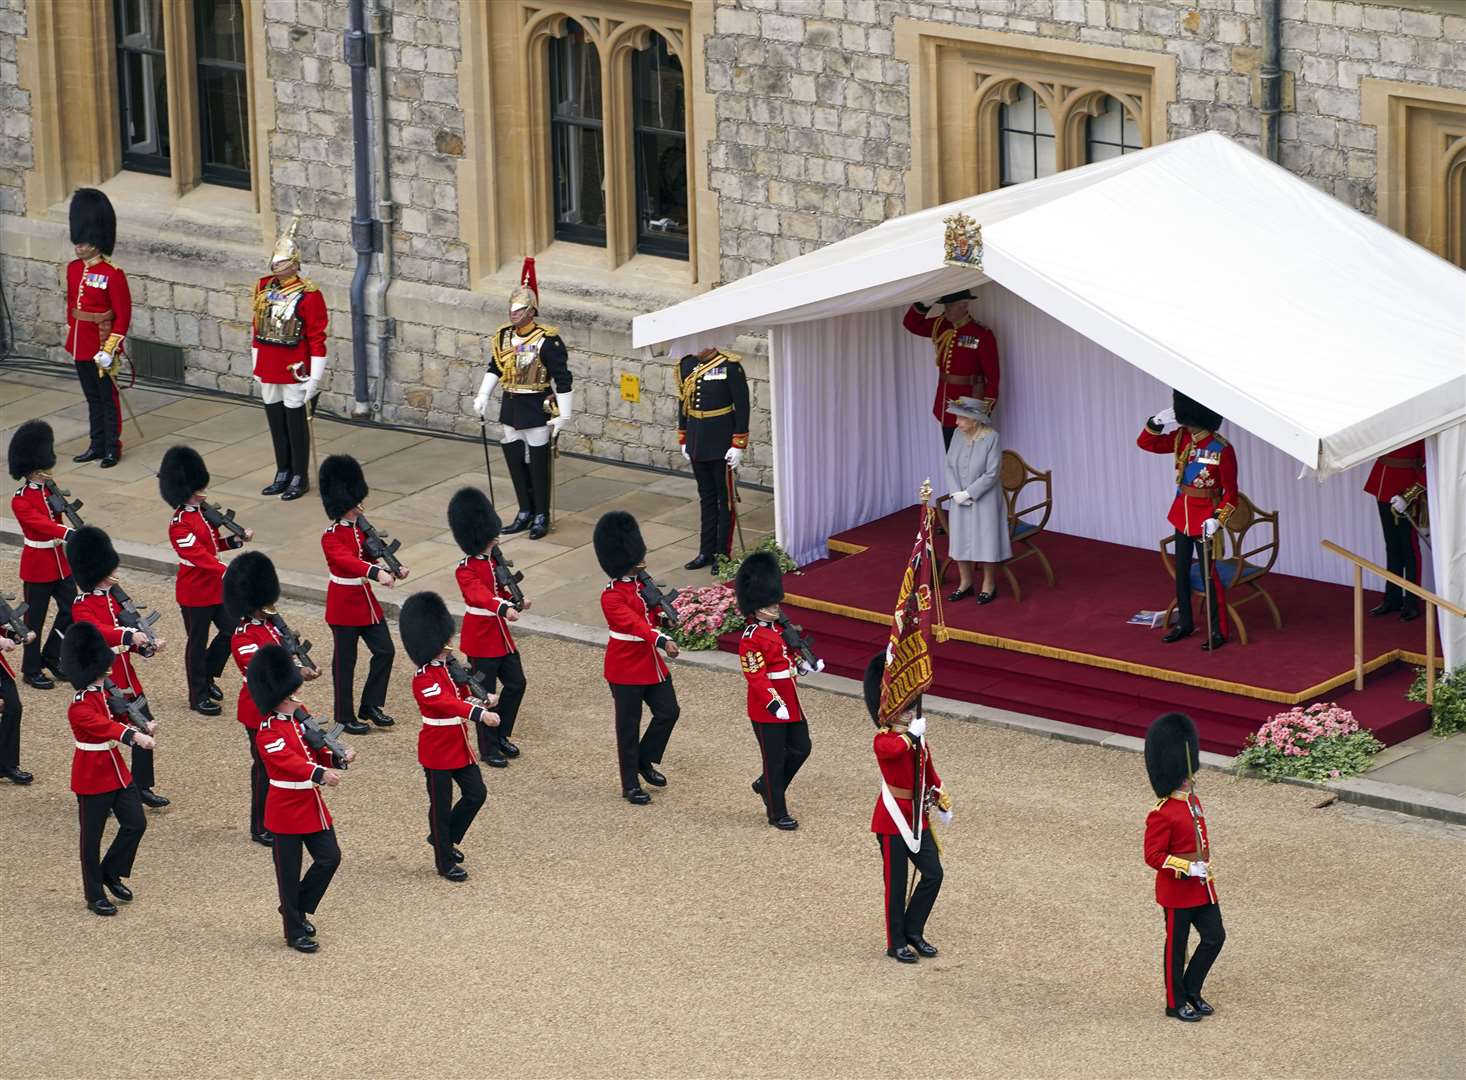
{"type": "Point", "coordinates": [1152, 619]}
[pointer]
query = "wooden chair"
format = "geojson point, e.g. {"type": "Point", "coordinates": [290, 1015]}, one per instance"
{"type": "Point", "coordinates": [1241, 566]}
{"type": "Point", "coordinates": [1024, 526]}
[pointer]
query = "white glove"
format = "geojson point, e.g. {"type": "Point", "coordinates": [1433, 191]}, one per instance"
{"type": "Point", "coordinates": [780, 711]}
{"type": "Point", "coordinates": [733, 456]}
{"type": "Point", "coordinates": [944, 816]}
{"type": "Point", "coordinates": [917, 728]}
{"type": "Point", "coordinates": [566, 401]}
{"type": "Point", "coordinates": [103, 359]}
{"type": "Point", "coordinates": [1209, 527]}
{"type": "Point", "coordinates": [685, 455]}
{"type": "Point", "coordinates": [1398, 504]}
{"type": "Point", "coordinates": [481, 402]}
{"type": "Point", "coordinates": [1164, 418]}
{"type": "Point", "coordinates": [804, 668]}
{"type": "Point", "coordinates": [1198, 870]}
{"type": "Point", "coordinates": [961, 498]}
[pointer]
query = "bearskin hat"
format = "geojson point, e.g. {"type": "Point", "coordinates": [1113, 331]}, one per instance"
{"type": "Point", "coordinates": [92, 557]}
{"type": "Point", "coordinates": [85, 655]}
{"type": "Point", "coordinates": [342, 484]}
{"type": "Point", "coordinates": [271, 678]}
{"type": "Point", "coordinates": [759, 583]}
{"type": "Point", "coordinates": [425, 626]}
{"type": "Point", "coordinates": [962, 294]}
{"type": "Point", "coordinates": [250, 583]}
{"type": "Point", "coordinates": [474, 521]}
{"type": "Point", "coordinates": [874, 672]}
{"type": "Point", "coordinates": [93, 221]}
{"type": "Point", "coordinates": [32, 447]}
{"type": "Point", "coordinates": [1192, 413]}
{"type": "Point", "coordinates": [181, 475]}
{"type": "Point", "coordinates": [618, 543]}
{"type": "Point", "coordinates": [1172, 752]}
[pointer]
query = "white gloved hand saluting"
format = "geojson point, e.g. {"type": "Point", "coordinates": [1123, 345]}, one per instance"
{"type": "Point", "coordinates": [481, 402]}
{"type": "Point", "coordinates": [1209, 527]}
{"type": "Point", "coordinates": [103, 359]}
{"type": "Point", "coordinates": [566, 402]}
{"type": "Point", "coordinates": [733, 457]}
{"type": "Point", "coordinates": [1398, 504]}
{"type": "Point", "coordinates": [1164, 418]}
{"type": "Point", "coordinates": [917, 728]}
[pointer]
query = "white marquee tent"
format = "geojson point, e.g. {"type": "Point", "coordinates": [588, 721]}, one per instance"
{"type": "Point", "coordinates": [1325, 338]}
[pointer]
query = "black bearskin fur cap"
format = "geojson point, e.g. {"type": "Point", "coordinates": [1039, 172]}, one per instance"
{"type": "Point", "coordinates": [181, 475]}
{"type": "Point", "coordinates": [474, 521]}
{"type": "Point", "coordinates": [874, 672]}
{"type": "Point", "coordinates": [965, 294]}
{"type": "Point", "coordinates": [342, 484]}
{"type": "Point", "coordinates": [1192, 413]}
{"type": "Point", "coordinates": [1168, 741]}
{"type": "Point", "coordinates": [92, 557]}
{"type": "Point", "coordinates": [619, 546]}
{"type": "Point", "coordinates": [759, 582]}
{"type": "Point", "coordinates": [32, 447]}
{"type": "Point", "coordinates": [425, 626]}
{"type": "Point", "coordinates": [250, 583]}
{"type": "Point", "coordinates": [85, 655]}
{"type": "Point", "coordinates": [271, 677]}
{"type": "Point", "coordinates": [93, 221]}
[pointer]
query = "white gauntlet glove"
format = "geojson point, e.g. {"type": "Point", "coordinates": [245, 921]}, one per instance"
{"type": "Point", "coordinates": [917, 728]}
{"type": "Point", "coordinates": [685, 455]}
{"type": "Point", "coordinates": [481, 402]}
{"type": "Point", "coordinates": [103, 359]}
{"type": "Point", "coordinates": [733, 456]}
{"type": "Point", "coordinates": [1164, 418]}
{"type": "Point", "coordinates": [1198, 870]}
{"type": "Point", "coordinates": [1398, 504]}
{"type": "Point", "coordinates": [1209, 527]}
{"type": "Point", "coordinates": [566, 402]}
{"type": "Point", "coordinates": [317, 373]}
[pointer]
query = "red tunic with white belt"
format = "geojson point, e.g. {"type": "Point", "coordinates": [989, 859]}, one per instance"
{"type": "Point", "coordinates": [770, 672]}
{"type": "Point", "coordinates": [43, 558]}
{"type": "Point", "coordinates": [896, 756]}
{"type": "Point", "coordinates": [96, 288]}
{"type": "Point", "coordinates": [1171, 847]}
{"type": "Point", "coordinates": [295, 806]}
{"type": "Point", "coordinates": [200, 581]}
{"type": "Point", "coordinates": [443, 742]}
{"type": "Point", "coordinates": [98, 608]}
{"type": "Point", "coordinates": [349, 597]}
{"type": "Point", "coordinates": [967, 359]}
{"type": "Point", "coordinates": [1396, 473]}
{"type": "Point", "coordinates": [1206, 475]}
{"type": "Point", "coordinates": [485, 631]}
{"type": "Point", "coordinates": [632, 658]}
{"type": "Point", "coordinates": [96, 764]}
{"type": "Point", "coordinates": [249, 637]}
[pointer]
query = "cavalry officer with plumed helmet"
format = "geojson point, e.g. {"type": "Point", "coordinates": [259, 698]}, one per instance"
{"type": "Point", "coordinates": [98, 311]}
{"type": "Point", "coordinates": [712, 428]}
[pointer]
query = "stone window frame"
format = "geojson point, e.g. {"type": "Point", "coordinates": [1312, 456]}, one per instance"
{"type": "Point", "coordinates": [1407, 173]}
{"type": "Point", "coordinates": [970, 73]}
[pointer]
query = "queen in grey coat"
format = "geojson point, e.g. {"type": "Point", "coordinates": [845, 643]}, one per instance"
{"type": "Point", "coordinates": [977, 514]}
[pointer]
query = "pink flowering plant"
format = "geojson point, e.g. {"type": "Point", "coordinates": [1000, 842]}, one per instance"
{"type": "Point", "coordinates": [1319, 742]}
{"type": "Point", "coordinates": [705, 614]}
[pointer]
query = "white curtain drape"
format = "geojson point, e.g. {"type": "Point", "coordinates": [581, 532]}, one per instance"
{"type": "Point", "coordinates": [1445, 475]}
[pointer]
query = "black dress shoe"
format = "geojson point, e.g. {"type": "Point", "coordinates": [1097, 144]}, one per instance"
{"type": "Point", "coordinates": [758, 787]}
{"type": "Point", "coordinates": [923, 946]}
{"type": "Point", "coordinates": [277, 485]}
{"type": "Point", "coordinates": [1211, 644]}
{"type": "Point", "coordinates": [117, 889]}
{"type": "Point", "coordinates": [87, 455]}
{"type": "Point", "coordinates": [959, 594]}
{"type": "Point", "coordinates": [304, 943]}
{"type": "Point", "coordinates": [16, 775]}
{"type": "Point", "coordinates": [1199, 1004]}
{"type": "Point", "coordinates": [636, 795]}
{"type": "Point", "coordinates": [102, 907]}
{"type": "Point", "coordinates": [455, 854]}
{"type": "Point", "coordinates": [519, 524]}
{"type": "Point", "coordinates": [308, 926]}
{"type": "Point", "coordinates": [650, 775]}
{"type": "Point", "coordinates": [109, 461]}
{"type": "Point", "coordinates": [508, 748]}
{"type": "Point", "coordinates": [299, 485]}
{"type": "Point", "coordinates": [786, 823]}
{"type": "Point", "coordinates": [1176, 633]}
{"type": "Point", "coordinates": [1386, 608]}
{"type": "Point", "coordinates": [265, 838]}
{"type": "Point", "coordinates": [208, 706]}
{"type": "Point", "coordinates": [354, 727]}
{"type": "Point", "coordinates": [905, 954]}
{"type": "Point", "coordinates": [1409, 613]}
{"type": "Point", "coordinates": [986, 597]}
{"type": "Point", "coordinates": [698, 563]}
{"type": "Point", "coordinates": [495, 759]}
{"type": "Point", "coordinates": [1186, 1013]}
{"type": "Point", "coordinates": [151, 798]}
{"type": "Point", "coordinates": [377, 716]}
{"type": "Point", "coordinates": [215, 692]}
{"type": "Point", "coordinates": [454, 873]}
{"type": "Point", "coordinates": [539, 527]}
{"type": "Point", "coordinates": [40, 680]}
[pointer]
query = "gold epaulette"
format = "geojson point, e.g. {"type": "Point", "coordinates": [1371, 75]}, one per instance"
{"type": "Point", "coordinates": [550, 331]}
{"type": "Point", "coordinates": [307, 285]}
{"type": "Point", "coordinates": [1160, 803]}
{"type": "Point", "coordinates": [730, 358]}
{"type": "Point", "coordinates": [1219, 437]}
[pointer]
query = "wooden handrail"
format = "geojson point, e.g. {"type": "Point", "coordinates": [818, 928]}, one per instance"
{"type": "Point", "coordinates": [1407, 585]}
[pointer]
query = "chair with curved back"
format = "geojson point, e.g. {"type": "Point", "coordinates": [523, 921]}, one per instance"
{"type": "Point", "coordinates": [1241, 566]}
{"type": "Point", "coordinates": [1024, 526]}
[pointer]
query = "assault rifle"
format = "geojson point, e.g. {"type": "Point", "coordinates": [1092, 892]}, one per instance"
{"type": "Point", "coordinates": [474, 680]}
{"type": "Point", "coordinates": [221, 519]}
{"type": "Point", "coordinates": [318, 738]}
{"type": "Point", "coordinates": [299, 648]}
{"type": "Point", "coordinates": [135, 709]}
{"type": "Point", "coordinates": [12, 621]}
{"type": "Point", "coordinates": [796, 639]}
{"type": "Point", "coordinates": [655, 599]}
{"type": "Point", "coordinates": [507, 578]}
{"type": "Point", "coordinates": [379, 547]}
{"type": "Point", "coordinates": [133, 619]}
{"type": "Point", "coordinates": [58, 501]}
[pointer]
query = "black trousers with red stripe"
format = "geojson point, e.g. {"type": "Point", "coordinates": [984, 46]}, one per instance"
{"type": "Point", "coordinates": [505, 674]}
{"type": "Point", "coordinates": [1186, 548]}
{"type": "Point", "coordinates": [92, 812]}
{"type": "Point", "coordinates": [104, 409]}
{"type": "Point", "coordinates": [715, 507]}
{"type": "Point", "coordinates": [1183, 981]}
{"type": "Point", "coordinates": [1402, 555]}
{"type": "Point", "coordinates": [783, 748]}
{"type": "Point", "coordinates": [343, 668]}
{"type": "Point", "coordinates": [448, 821]}
{"type": "Point", "coordinates": [10, 710]}
{"type": "Point", "coordinates": [46, 648]}
{"type": "Point", "coordinates": [632, 747]}
{"type": "Point", "coordinates": [204, 660]}
{"type": "Point", "coordinates": [259, 786]}
{"type": "Point", "coordinates": [300, 896]}
{"type": "Point", "coordinates": [906, 921]}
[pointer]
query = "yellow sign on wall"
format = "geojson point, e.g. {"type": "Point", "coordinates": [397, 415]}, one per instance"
{"type": "Point", "coordinates": [630, 388]}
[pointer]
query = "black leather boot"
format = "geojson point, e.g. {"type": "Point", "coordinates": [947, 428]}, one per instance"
{"type": "Point", "coordinates": [280, 439]}
{"type": "Point", "coordinates": [539, 490]}
{"type": "Point", "coordinates": [519, 476]}
{"type": "Point", "coordinates": [298, 431]}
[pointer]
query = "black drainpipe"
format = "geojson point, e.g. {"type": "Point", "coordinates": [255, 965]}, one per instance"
{"type": "Point", "coordinates": [1271, 76]}
{"type": "Point", "coordinates": [363, 225]}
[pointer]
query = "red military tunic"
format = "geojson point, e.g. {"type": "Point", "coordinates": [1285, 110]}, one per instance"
{"type": "Point", "coordinates": [485, 631]}
{"type": "Point", "coordinates": [770, 672]}
{"type": "Point", "coordinates": [349, 597]}
{"type": "Point", "coordinates": [200, 581]}
{"type": "Point", "coordinates": [248, 638]}
{"type": "Point", "coordinates": [99, 292]}
{"type": "Point", "coordinates": [631, 654]}
{"type": "Point", "coordinates": [98, 608]}
{"type": "Point", "coordinates": [1171, 848]}
{"type": "Point", "coordinates": [42, 559]}
{"type": "Point", "coordinates": [304, 310]}
{"type": "Point", "coordinates": [897, 759]}
{"type": "Point", "coordinates": [96, 764]}
{"type": "Point", "coordinates": [443, 742]}
{"type": "Point", "coordinates": [967, 359]}
{"type": "Point", "coordinates": [295, 805]}
{"type": "Point", "coordinates": [4, 663]}
{"type": "Point", "coordinates": [1206, 475]}
{"type": "Point", "coordinates": [1396, 472]}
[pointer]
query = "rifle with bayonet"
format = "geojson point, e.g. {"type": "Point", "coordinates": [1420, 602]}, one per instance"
{"type": "Point", "coordinates": [318, 738]}
{"type": "Point", "coordinates": [379, 547]}
{"type": "Point", "coordinates": [657, 600]}
{"type": "Point", "coordinates": [135, 708]}
{"type": "Point", "coordinates": [507, 578]}
{"type": "Point", "coordinates": [132, 618]}
{"type": "Point", "coordinates": [59, 501]}
{"type": "Point", "coordinates": [298, 647]}
{"type": "Point", "coordinates": [796, 639]}
{"type": "Point", "coordinates": [222, 519]}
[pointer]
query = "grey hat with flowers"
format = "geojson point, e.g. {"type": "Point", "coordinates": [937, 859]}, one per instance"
{"type": "Point", "coordinates": [972, 408]}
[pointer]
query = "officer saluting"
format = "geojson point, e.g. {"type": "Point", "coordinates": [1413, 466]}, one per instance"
{"type": "Point", "coordinates": [966, 354]}
{"type": "Point", "coordinates": [712, 428]}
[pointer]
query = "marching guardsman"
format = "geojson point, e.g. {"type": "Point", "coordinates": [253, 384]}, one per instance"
{"type": "Point", "coordinates": [251, 590]}
{"type": "Point", "coordinates": [352, 611]}
{"type": "Point", "coordinates": [289, 349]}
{"type": "Point", "coordinates": [779, 724]}
{"type": "Point", "coordinates": [99, 778]}
{"type": "Point", "coordinates": [94, 563]}
{"type": "Point", "coordinates": [490, 609]}
{"type": "Point", "coordinates": [528, 360]}
{"type": "Point", "coordinates": [1397, 483]}
{"type": "Point", "coordinates": [1206, 495]}
{"type": "Point", "coordinates": [966, 354]}
{"type": "Point", "coordinates": [904, 759]}
{"type": "Point", "coordinates": [1178, 848]}
{"type": "Point", "coordinates": [634, 668]}
{"type": "Point", "coordinates": [183, 481]}
{"type": "Point", "coordinates": [444, 749]}
{"type": "Point", "coordinates": [98, 310]}
{"type": "Point", "coordinates": [45, 574]}
{"type": "Point", "coordinates": [10, 713]}
{"type": "Point", "coordinates": [712, 428]}
{"type": "Point", "coordinates": [295, 813]}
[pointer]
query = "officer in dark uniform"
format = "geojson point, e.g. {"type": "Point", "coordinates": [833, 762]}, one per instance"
{"type": "Point", "coordinates": [712, 427]}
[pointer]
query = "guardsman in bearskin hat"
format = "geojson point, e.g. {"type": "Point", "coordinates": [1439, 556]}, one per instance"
{"type": "Point", "coordinates": [486, 640]}
{"type": "Point", "coordinates": [295, 813]}
{"type": "Point", "coordinates": [779, 724]}
{"type": "Point", "coordinates": [289, 348]}
{"type": "Point", "coordinates": [634, 665]}
{"type": "Point", "coordinates": [10, 712]}
{"type": "Point", "coordinates": [94, 563]}
{"type": "Point", "coordinates": [98, 310]}
{"type": "Point", "coordinates": [528, 360]}
{"type": "Point", "coordinates": [1178, 848]}
{"type": "Point", "coordinates": [45, 574]}
{"type": "Point", "coordinates": [183, 481]}
{"type": "Point", "coordinates": [352, 611]}
{"type": "Point", "coordinates": [712, 428]}
{"type": "Point", "coordinates": [99, 777]}
{"type": "Point", "coordinates": [1397, 483]}
{"type": "Point", "coordinates": [966, 354]}
{"type": "Point", "coordinates": [902, 827]}
{"type": "Point", "coordinates": [444, 749]}
{"type": "Point", "coordinates": [1206, 495]}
